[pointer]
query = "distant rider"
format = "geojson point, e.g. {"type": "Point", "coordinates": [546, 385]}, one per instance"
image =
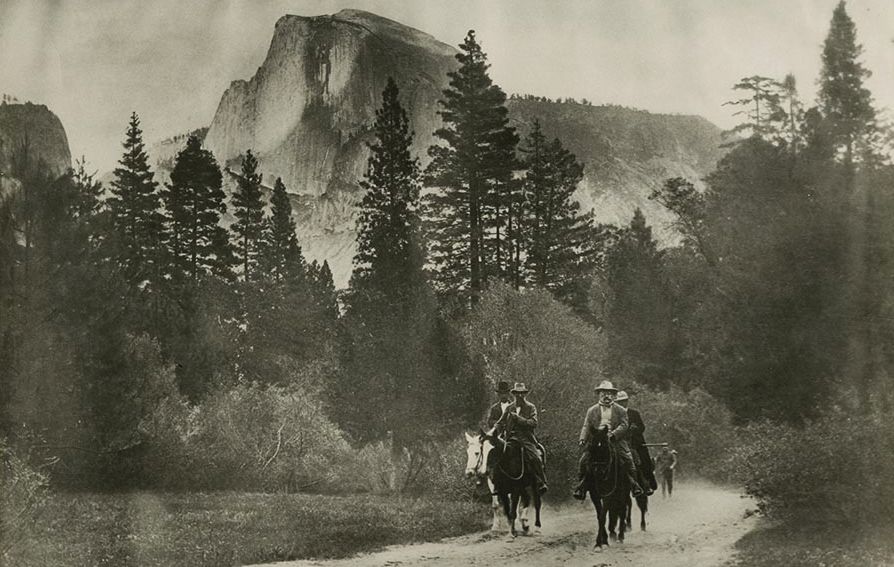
{"type": "Point", "coordinates": [505, 400]}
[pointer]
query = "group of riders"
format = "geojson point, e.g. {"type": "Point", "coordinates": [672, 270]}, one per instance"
{"type": "Point", "coordinates": [514, 419]}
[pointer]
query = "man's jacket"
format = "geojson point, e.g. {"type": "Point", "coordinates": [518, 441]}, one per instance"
{"type": "Point", "coordinates": [618, 425]}
{"type": "Point", "coordinates": [636, 427]}
{"type": "Point", "coordinates": [519, 422]}
{"type": "Point", "coordinates": [494, 414]}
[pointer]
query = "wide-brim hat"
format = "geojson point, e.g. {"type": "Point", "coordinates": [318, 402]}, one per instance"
{"type": "Point", "coordinates": [519, 388]}
{"type": "Point", "coordinates": [622, 395]}
{"type": "Point", "coordinates": [502, 387]}
{"type": "Point", "coordinates": [605, 385]}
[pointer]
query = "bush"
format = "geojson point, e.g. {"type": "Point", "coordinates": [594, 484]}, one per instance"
{"type": "Point", "coordinates": [23, 494]}
{"type": "Point", "coordinates": [834, 469]}
{"type": "Point", "coordinates": [256, 437]}
{"type": "Point", "coordinates": [436, 468]}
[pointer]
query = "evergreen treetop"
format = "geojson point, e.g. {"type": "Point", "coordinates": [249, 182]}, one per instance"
{"type": "Point", "coordinates": [249, 213]}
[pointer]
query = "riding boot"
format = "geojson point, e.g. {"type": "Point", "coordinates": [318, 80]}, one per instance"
{"type": "Point", "coordinates": [635, 489]}
{"type": "Point", "coordinates": [540, 474]}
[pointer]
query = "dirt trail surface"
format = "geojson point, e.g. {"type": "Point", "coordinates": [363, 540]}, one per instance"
{"type": "Point", "coordinates": [696, 528]}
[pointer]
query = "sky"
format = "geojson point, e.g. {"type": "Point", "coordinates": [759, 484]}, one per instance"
{"type": "Point", "coordinates": [94, 61]}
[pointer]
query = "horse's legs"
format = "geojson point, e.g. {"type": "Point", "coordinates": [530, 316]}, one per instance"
{"type": "Point", "coordinates": [523, 511]}
{"type": "Point", "coordinates": [506, 501]}
{"type": "Point", "coordinates": [495, 504]}
{"type": "Point", "coordinates": [621, 511]}
{"type": "Point", "coordinates": [628, 517]}
{"type": "Point", "coordinates": [513, 511]}
{"type": "Point", "coordinates": [601, 534]}
{"type": "Point", "coordinates": [537, 503]}
{"type": "Point", "coordinates": [643, 503]}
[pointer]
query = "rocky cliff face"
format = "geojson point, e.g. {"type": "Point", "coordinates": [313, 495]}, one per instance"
{"type": "Point", "coordinates": [308, 112]}
{"type": "Point", "coordinates": [626, 153]}
{"type": "Point", "coordinates": [37, 127]}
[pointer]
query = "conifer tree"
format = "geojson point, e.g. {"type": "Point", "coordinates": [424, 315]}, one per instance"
{"type": "Point", "coordinates": [555, 231]}
{"type": "Point", "coordinates": [135, 208]}
{"type": "Point", "coordinates": [194, 202]}
{"type": "Point", "coordinates": [283, 258]}
{"type": "Point", "coordinates": [323, 289]}
{"type": "Point", "coordinates": [843, 99]}
{"type": "Point", "coordinates": [249, 213]}
{"type": "Point", "coordinates": [389, 254]}
{"type": "Point", "coordinates": [761, 108]}
{"type": "Point", "coordinates": [471, 223]}
{"type": "Point", "coordinates": [395, 353]}
{"type": "Point", "coordinates": [639, 317]}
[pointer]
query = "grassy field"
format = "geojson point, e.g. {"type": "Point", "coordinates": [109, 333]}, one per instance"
{"type": "Point", "coordinates": [232, 528]}
{"type": "Point", "coordinates": [816, 545]}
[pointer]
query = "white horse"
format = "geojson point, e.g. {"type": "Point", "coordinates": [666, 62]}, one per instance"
{"type": "Point", "coordinates": [477, 453]}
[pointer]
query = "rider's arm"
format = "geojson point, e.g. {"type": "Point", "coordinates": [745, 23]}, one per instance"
{"type": "Point", "coordinates": [529, 421]}
{"type": "Point", "coordinates": [585, 430]}
{"type": "Point", "coordinates": [621, 430]}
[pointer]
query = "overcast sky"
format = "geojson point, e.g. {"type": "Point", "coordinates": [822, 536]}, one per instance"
{"type": "Point", "coordinates": [93, 62]}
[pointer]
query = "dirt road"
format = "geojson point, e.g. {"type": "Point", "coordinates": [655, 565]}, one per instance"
{"type": "Point", "coordinates": [697, 528]}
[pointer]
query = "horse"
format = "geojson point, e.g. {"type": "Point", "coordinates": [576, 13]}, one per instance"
{"type": "Point", "coordinates": [511, 486]}
{"type": "Point", "coordinates": [609, 487]}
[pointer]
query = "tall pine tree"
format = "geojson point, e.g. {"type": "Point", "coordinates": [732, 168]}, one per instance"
{"type": "Point", "coordinates": [555, 231]}
{"type": "Point", "coordinates": [471, 213]}
{"type": "Point", "coordinates": [249, 213]}
{"type": "Point", "coordinates": [194, 202]}
{"type": "Point", "coordinates": [389, 251]}
{"type": "Point", "coordinates": [283, 259]}
{"type": "Point", "coordinates": [393, 361]}
{"type": "Point", "coordinates": [135, 208]}
{"type": "Point", "coordinates": [843, 99]}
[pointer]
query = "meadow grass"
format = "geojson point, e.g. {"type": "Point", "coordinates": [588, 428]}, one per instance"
{"type": "Point", "coordinates": [220, 529]}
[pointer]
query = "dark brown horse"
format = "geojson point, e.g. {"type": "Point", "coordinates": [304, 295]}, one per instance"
{"type": "Point", "coordinates": [513, 479]}
{"type": "Point", "coordinates": [609, 487]}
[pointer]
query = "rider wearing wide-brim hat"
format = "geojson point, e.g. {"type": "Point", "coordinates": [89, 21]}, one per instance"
{"type": "Point", "coordinates": [637, 442]}
{"type": "Point", "coordinates": [611, 416]}
{"type": "Point", "coordinates": [517, 423]}
{"type": "Point", "coordinates": [504, 394]}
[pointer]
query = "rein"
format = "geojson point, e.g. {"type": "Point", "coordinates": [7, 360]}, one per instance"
{"type": "Point", "coordinates": [521, 452]}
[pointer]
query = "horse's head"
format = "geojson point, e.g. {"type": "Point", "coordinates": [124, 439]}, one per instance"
{"type": "Point", "coordinates": [599, 444]}
{"type": "Point", "coordinates": [478, 448]}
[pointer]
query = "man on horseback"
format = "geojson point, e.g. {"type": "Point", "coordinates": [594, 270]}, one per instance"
{"type": "Point", "coordinates": [606, 414]}
{"type": "Point", "coordinates": [637, 441]}
{"type": "Point", "coordinates": [497, 409]}
{"type": "Point", "coordinates": [517, 423]}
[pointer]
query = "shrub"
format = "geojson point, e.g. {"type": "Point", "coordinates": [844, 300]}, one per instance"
{"type": "Point", "coordinates": [256, 437]}
{"type": "Point", "coordinates": [836, 468]}
{"type": "Point", "coordinates": [23, 494]}
{"type": "Point", "coordinates": [436, 468]}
